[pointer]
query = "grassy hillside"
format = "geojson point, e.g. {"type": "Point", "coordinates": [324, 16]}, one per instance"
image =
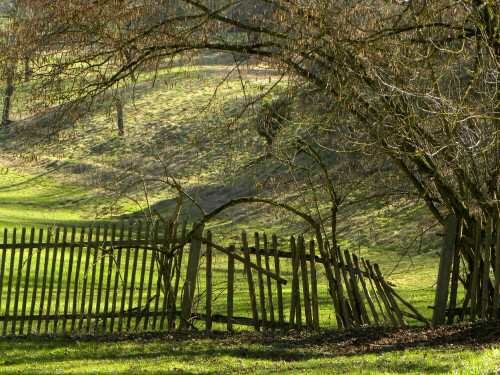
{"type": "Point", "coordinates": [196, 126]}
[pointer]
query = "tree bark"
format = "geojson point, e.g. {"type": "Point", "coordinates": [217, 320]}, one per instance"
{"type": "Point", "coordinates": [119, 113]}
{"type": "Point", "coordinates": [9, 91]}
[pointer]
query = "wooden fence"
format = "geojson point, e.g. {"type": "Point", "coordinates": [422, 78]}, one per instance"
{"type": "Point", "coordinates": [159, 277]}
{"type": "Point", "coordinates": [470, 260]}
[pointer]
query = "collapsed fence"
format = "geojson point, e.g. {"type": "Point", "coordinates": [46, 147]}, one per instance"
{"type": "Point", "coordinates": [160, 277]}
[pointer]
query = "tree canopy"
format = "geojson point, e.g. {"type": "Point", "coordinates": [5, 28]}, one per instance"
{"type": "Point", "coordinates": [416, 80]}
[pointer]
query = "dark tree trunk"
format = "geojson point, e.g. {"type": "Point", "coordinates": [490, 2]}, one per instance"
{"type": "Point", "coordinates": [27, 70]}
{"type": "Point", "coordinates": [119, 112]}
{"type": "Point", "coordinates": [9, 90]}
{"type": "Point", "coordinates": [128, 56]}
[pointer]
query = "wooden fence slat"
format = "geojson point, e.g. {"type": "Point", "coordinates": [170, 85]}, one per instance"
{"type": "Point", "coordinates": [474, 297]}
{"type": "Point", "coordinates": [279, 288]}
{"type": "Point", "coordinates": [485, 290]}
{"type": "Point", "coordinates": [208, 283]}
{"type": "Point", "coordinates": [2, 272]}
{"type": "Point", "coordinates": [343, 312]}
{"type": "Point", "coordinates": [118, 275]}
{"type": "Point", "coordinates": [44, 279]}
{"type": "Point", "coordinates": [416, 315]}
{"type": "Point", "coordinates": [77, 280]}
{"type": "Point", "coordinates": [159, 262]}
{"type": "Point", "coordinates": [86, 270]}
{"type": "Point", "coordinates": [109, 254]}
{"type": "Point", "coordinates": [293, 296]}
{"type": "Point", "coordinates": [125, 278]}
{"type": "Point", "coordinates": [262, 295]}
{"type": "Point", "coordinates": [455, 274]}
{"type": "Point", "coordinates": [101, 262]}
{"type": "Point", "coordinates": [178, 266]}
{"type": "Point", "coordinates": [314, 286]}
{"type": "Point", "coordinates": [9, 283]}
{"type": "Point", "coordinates": [95, 249]}
{"type": "Point", "coordinates": [169, 303]}
{"type": "Point", "coordinates": [20, 261]}
{"type": "Point", "coordinates": [295, 306]}
{"type": "Point", "coordinates": [389, 296]}
{"type": "Point", "coordinates": [301, 249]}
{"type": "Point", "coordinates": [52, 276]}
{"type": "Point", "coordinates": [365, 290]}
{"type": "Point", "coordinates": [17, 282]}
{"type": "Point", "coordinates": [465, 306]}
{"type": "Point", "coordinates": [191, 276]}
{"type": "Point", "coordinates": [381, 294]}
{"type": "Point", "coordinates": [130, 314]}
{"type": "Point", "coordinates": [348, 287]}
{"type": "Point", "coordinates": [496, 290]}
{"type": "Point", "coordinates": [230, 289]}
{"type": "Point", "coordinates": [139, 306]}
{"type": "Point", "coordinates": [355, 287]}
{"type": "Point", "coordinates": [35, 283]}
{"type": "Point", "coordinates": [269, 284]}
{"type": "Point", "coordinates": [379, 304]}
{"type": "Point", "coordinates": [60, 278]}
{"type": "Point", "coordinates": [441, 299]}
{"type": "Point", "coordinates": [68, 280]}
{"type": "Point", "coordinates": [242, 260]}
{"type": "Point", "coordinates": [152, 256]}
{"type": "Point", "coordinates": [27, 281]}
{"type": "Point", "coordinates": [251, 288]}
{"type": "Point", "coordinates": [165, 281]}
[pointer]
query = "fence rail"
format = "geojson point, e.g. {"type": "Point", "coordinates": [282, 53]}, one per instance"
{"type": "Point", "coordinates": [159, 277]}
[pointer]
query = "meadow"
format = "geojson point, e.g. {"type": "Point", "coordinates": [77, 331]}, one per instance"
{"type": "Point", "coordinates": [174, 128]}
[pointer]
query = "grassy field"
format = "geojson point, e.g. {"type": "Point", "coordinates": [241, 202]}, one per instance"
{"type": "Point", "coordinates": [174, 127]}
{"type": "Point", "coordinates": [361, 352]}
{"type": "Point", "coordinates": [88, 175]}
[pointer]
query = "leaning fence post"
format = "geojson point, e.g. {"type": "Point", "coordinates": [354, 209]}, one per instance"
{"type": "Point", "coordinates": [474, 288]}
{"type": "Point", "coordinates": [496, 290]}
{"type": "Point", "coordinates": [455, 274]}
{"type": "Point", "coordinates": [485, 291]}
{"type": "Point", "coordinates": [441, 299]}
{"type": "Point", "coordinates": [191, 274]}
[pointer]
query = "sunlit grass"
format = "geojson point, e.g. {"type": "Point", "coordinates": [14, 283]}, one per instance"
{"type": "Point", "coordinates": [228, 355]}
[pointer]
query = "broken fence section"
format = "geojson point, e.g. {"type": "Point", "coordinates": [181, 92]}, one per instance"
{"type": "Point", "coordinates": [139, 277]}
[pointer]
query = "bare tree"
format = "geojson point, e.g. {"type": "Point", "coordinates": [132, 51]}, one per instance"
{"type": "Point", "coordinates": [415, 80]}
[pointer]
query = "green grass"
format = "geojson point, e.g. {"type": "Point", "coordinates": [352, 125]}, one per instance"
{"type": "Point", "coordinates": [229, 354]}
{"type": "Point", "coordinates": [32, 200]}
{"type": "Point", "coordinates": [214, 158]}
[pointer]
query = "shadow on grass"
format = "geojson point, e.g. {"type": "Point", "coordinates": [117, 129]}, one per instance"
{"type": "Point", "coordinates": [60, 357]}
{"type": "Point", "coordinates": [366, 350]}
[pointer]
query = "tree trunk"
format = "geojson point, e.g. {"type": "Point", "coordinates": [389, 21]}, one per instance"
{"type": "Point", "coordinates": [119, 112]}
{"type": "Point", "coordinates": [27, 70]}
{"type": "Point", "coordinates": [9, 90]}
